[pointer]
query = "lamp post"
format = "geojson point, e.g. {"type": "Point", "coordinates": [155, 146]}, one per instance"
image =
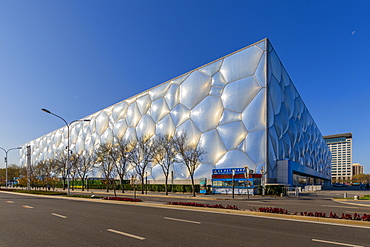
{"type": "Point", "coordinates": [6, 163]}
{"type": "Point", "coordinates": [68, 151]}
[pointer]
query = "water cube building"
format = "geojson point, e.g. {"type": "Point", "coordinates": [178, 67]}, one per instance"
{"type": "Point", "coordinates": [242, 109]}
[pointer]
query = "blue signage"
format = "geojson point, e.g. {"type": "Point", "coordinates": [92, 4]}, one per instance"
{"type": "Point", "coordinates": [228, 171]}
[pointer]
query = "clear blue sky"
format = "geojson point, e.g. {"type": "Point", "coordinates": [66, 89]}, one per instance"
{"type": "Point", "coordinates": [78, 57]}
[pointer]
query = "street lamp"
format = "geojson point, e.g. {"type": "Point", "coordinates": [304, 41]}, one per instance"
{"type": "Point", "coordinates": [68, 161]}
{"type": "Point", "coordinates": [6, 163]}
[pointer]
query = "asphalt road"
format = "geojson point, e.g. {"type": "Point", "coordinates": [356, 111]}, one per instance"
{"type": "Point", "coordinates": [39, 221]}
{"type": "Point", "coordinates": [314, 202]}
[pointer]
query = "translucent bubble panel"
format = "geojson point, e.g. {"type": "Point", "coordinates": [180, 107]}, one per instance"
{"type": "Point", "coordinates": [166, 126]}
{"type": "Point", "coordinates": [130, 135]}
{"type": "Point", "coordinates": [229, 117]}
{"type": "Point", "coordinates": [146, 127]}
{"type": "Point", "coordinates": [119, 110]}
{"type": "Point", "coordinates": [212, 144]}
{"type": "Point", "coordinates": [73, 135]}
{"type": "Point", "coordinates": [157, 173]}
{"type": "Point", "coordinates": [239, 94]}
{"type": "Point", "coordinates": [194, 89]}
{"type": "Point", "coordinates": [107, 136]}
{"type": "Point", "coordinates": [159, 110]}
{"type": "Point", "coordinates": [173, 96]}
{"type": "Point", "coordinates": [260, 73]}
{"type": "Point", "coordinates": [192, 131]}
{"type": "Point", "coordinates": [218, 80]}
{"type": "Point", "coordinates": [212, 68]}
{"type": "Point", "coordinates": [203, 171]}
{"type": "Point", "coordinates": [133, 115]}
{"type": "Point", "coordinates": [216, 91]}
{"type": "Point", "coordinates": [101, 122]}
{"type": "Point", "coordinates": [120, 128]}
{"type": "Point", "coordinates": [143, 104]}
{"type": "Point", "coordinates": [255, 146]}
{"type": "Point", "coordinates": [180, 114]}
{"type": "Point", "coordinates": [254, 116]}
{"type": "Point", "coordinates": [159, 92]}
{"type": "Point", "coordinates": [206, 115]}
{"type": "Point", "coordinates": [241, 64]}
{"type": "Point", "coordinates": [234, 159]}
{"type": "Point", "coordinates": [232, 134]}
{"type": "Point", "coordinates": [181, 171]}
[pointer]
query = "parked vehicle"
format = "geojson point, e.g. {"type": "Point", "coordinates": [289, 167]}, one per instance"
{"type": "Point", "coordinates": [339, 185]}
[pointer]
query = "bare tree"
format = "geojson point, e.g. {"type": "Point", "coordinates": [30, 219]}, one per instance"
{"type": "Point", "coordinates": [84, 166]}
{"type": "Point", "coordinates": [46, 174]}
{"type": "Point", "coordinates": [141, 156]}
{"type": "Point", "coordinates": [165, 155]}
{"type": "Point", "coordinates": [107, 164]}
{"type": "Point", "coordinates": [74, 161]}
{"type": "Point", "coordinates": [122, 152]}
{"type": "Point", "coordinates": [62, 168]}
{"type": "Point", "coordinates": [189, 153]}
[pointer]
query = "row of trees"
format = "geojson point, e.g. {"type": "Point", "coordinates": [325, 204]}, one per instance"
{"type": "Point", "coordinates": [133, 157]}
{"type": "Point", "coordinates": [125, 159]}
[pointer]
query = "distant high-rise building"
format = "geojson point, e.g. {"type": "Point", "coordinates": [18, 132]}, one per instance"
{"type": "Point", "coordinates": [357, 169]}
{"type": "Point", "coordinates": [340, 146]}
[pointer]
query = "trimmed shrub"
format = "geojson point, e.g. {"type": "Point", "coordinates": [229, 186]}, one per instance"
{"type": "Point", "coordinates": [194, 204]}
{"type": "Point", "coordinates": [123, 199]}
{"type": "Point", "coordinates": [41, 192]}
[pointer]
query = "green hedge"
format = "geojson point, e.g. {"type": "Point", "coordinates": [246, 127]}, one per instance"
{"type": "Point", "coordinates": [274, 190]}
{"type": "Point", "coordinates": [184, 188]}
{"type": "Point", "coordinates": [40, 192]}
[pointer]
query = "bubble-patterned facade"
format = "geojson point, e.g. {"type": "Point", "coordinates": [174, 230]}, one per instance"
{"type": "Point", "coordinates": [242, 109]}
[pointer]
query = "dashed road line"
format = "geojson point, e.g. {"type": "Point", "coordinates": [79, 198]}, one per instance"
{"type": "Point", "coordinates": [26, 206]}
{"type": "Point", "coordinates": [125, 234]}
{"type": "Point", "coordinates": [59, 215]}
{"type": "Point", "coordinates": [187, 221]}
{"type": "Point", "coordinates": [254, 205]}
{"type": "Point", "coordinates": [9, 201]}
{"type": "Point", "coordinates": [336, 243]}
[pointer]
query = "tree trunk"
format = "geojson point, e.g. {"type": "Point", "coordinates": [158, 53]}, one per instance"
{"type": "Point", "coordinates": [192, 185]}
{"type": "Point", "coordinates": [142, 184]}
{"type": "Point", "coordinates": [122, 185]}
{"type": "Point", "coordinates": [166, 185]}
{"type": "Point", "coordinates": [114, 188]}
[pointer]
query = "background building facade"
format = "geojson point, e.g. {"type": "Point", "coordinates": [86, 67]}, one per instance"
{"type": "Point", "coordinates": [340, 146]}
{"type": "Point", "coordinates": [357, 169]}
{"type": "Point", "coordinates": [242, 109]}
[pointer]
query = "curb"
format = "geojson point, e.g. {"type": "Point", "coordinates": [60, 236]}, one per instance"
{"type": "Point", "coordinates": [344, 201]}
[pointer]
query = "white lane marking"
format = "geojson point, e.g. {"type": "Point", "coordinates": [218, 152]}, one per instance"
{"type": "Point", "coordinates": [26, 206]}
{"type": "Point", "coordinates": [9, 201]}
{"type": "Point", "coordinates": [265, 217]}
{"type": "Point", "coordinates": [187, 221]}
{"type": "Point", "coordinates": [337, 206]}
{"type": "Point", "coordinates": [58, 215]}
{"type": "Point", "coordinates": [337, 243]}
{"type": "Point", "coordinates": [126, 234]}
{"type": "Point", "coordinates": [254, 205]}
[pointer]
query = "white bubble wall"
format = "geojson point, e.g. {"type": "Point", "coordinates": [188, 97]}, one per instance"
{"type": "Point", "coordinates": [242, 109]}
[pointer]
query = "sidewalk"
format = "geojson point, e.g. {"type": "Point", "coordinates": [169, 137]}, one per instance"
{"type": "Point", "coordinates": [130, 193]}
